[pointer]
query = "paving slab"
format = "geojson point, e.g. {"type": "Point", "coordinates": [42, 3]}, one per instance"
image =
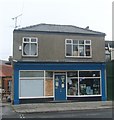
{"type": "Point", "coordinates": [49, 107]}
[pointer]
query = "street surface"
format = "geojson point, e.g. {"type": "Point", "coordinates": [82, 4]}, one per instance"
{"type": "Point", "coordinates": [104, 113]}
{"type": "Point", "coordinates": [8, 112]}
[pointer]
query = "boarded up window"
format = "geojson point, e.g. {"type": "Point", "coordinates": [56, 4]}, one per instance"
{"type": "Point", "coordinates": [49, 87]}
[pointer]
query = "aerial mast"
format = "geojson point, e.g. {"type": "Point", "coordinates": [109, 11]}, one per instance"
{"type": "Point", "coordinates": [15, 18]}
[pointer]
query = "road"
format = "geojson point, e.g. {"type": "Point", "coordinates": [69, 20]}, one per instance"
{"type": "Point", "coordinates": [104, 113]}
{"type": "Point", "coordinates": [8, 112]}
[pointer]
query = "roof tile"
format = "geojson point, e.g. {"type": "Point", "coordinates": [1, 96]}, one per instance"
{"type": "Point", "coordinates": [59, 28]}
{"type": "Point", "coordinates": [6, 70]}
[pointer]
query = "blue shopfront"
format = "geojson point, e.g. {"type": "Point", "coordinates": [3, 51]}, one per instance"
{"type": "Point", "coordinates": [42, 82]}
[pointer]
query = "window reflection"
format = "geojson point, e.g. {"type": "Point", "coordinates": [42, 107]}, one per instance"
{"type": "Point", "coordinates": [83, 83]}
{"type": "Point", "coordinates": [77, 48]}
{"type": "Point", "coordinates": [72, 86]}
{"type": "Point", "coordinates": [89, 86]}
{"type": "Point", "coordinates": [72, 83]}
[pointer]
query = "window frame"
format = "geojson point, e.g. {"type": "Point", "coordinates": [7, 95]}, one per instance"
{"type": "Point", "coordinates": [78, 77]}
{"type": "Point", "coordinates": [30, 42]}
{"type": "Point", "coordinates": [72, 44]}
{"type": "Point", "coordinates": [37, 78]}
{"type": "Point", "coordinates": [31, 78]}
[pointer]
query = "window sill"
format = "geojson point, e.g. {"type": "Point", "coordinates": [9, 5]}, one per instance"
{"type": "Point", "coordinates": [84, 95]}
{"type": "Point", "coordinates": [29, 55]}
{"type": "Point", "coordinates": [78, 57]}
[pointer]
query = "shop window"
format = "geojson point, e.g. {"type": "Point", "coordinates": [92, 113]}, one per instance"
{"type": "Point", "coordinates": [89, 86]}
{"type": "Point", "coordinates": [31, 74]}
{"type": "Point", "coordinates": [89, 73]}
{"type": "Point", "coordinates": [89, 82]}
{"type": "Point", "coordinates": [83, 83]}
{"type": "Point", "coordinates": [49, 74]}
{"type": "Point", "coordinates": [31, 88]}
{"type": "Point", "coordinates": [31, 84]}
{"type": "Point", "coordinates": [72, 86]}
{"type": "Point", "coordinates": [72, 74]}
{"type": "Point", "coordinates": [72, 83]}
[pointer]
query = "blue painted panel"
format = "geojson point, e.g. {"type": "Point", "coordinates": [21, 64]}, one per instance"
{"type": "Point", "coordinates": [104, 97]}
{"type": "Point", "coordinates": [16, 86]}
{"type": "Point", "coordinates": [60, 87]}
{"type": "Point", "coordinates": [56, 66]}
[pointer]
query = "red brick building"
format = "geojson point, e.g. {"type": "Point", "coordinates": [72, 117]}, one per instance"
{"type": "Point", "coordinates": [5, 79]}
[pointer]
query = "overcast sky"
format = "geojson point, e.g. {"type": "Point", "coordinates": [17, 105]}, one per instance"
{"type": "Point", "coordinates": [97, 14]}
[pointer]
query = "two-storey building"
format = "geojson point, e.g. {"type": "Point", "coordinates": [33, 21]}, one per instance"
{"type": "Point", "coordinates": [109, 50]}
{"type": "Point", "coordinates": [58, 63]}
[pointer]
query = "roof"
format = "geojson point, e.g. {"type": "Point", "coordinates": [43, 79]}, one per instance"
{"type": "Point", "coordinates": [3, 62]}
{"type": "Point", "coordinates": [5, 70]}
{"type": "Point", "coordinates": [59, 29]}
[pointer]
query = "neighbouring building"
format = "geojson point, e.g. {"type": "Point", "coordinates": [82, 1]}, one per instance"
{"type": "Point", "coordinates": [109, 50]}
{"type": "Point", "coordinates": [5, 78]}
{"type": "Point", "coordinates": [58, 63]}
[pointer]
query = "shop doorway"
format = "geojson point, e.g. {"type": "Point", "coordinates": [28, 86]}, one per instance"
{"type": "Point", "coordinates": [60, 86]}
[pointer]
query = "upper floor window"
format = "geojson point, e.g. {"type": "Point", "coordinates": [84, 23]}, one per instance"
{"type": "Point", "coordinates": [78, 48]}
{"type": "Point", "coordinates": [30, 46]}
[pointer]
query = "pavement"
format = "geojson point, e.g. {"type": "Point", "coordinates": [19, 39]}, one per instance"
{"type": "Point", "coordinates": [56, 107]}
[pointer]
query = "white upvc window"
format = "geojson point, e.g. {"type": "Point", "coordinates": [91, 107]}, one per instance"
{"type": "Point", "coordinates": [84, 83]}
{"type": "Point", "coordinates": [31, 84]}
{"type": "Point", "coordinates": [30, 46]}
{"type": "Point", "coordinates": [78, 48]}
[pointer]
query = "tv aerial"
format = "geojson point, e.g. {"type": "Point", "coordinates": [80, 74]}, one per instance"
{"type": "Point", "coordinates": [15, 18]}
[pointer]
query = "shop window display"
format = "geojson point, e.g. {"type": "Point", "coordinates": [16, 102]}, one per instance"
{"type": "Point", "coordinates": [72, 83]}
{"type": "Point", "coordinates": [89, 86]}
{"type": "Point", "coordinates": [72, 86]}
{"type": "Point", "coordinates": [83, 83]}
{"type": "Point", "coordinates": [89, 82]}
